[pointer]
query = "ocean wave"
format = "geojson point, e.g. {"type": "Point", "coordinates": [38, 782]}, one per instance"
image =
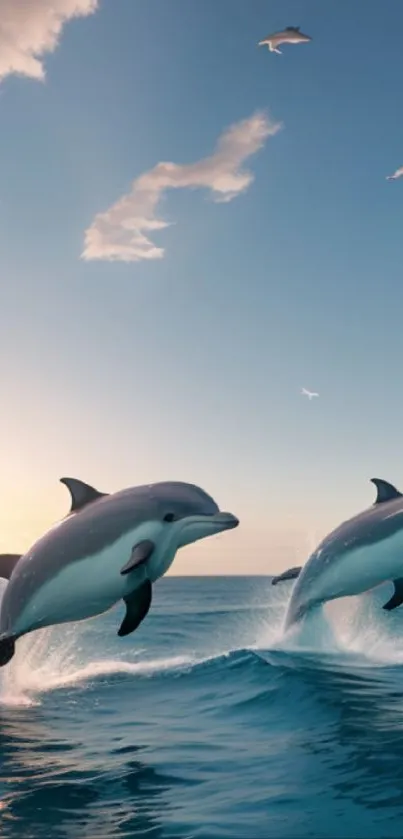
{"type": "Point", "coordinates": [354, 632]}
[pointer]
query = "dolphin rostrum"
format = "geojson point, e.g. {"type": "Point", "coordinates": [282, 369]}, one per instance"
{"type": "Point", "coordinates": [289, 35]}
{"type": "Point", "coordinates": [109, 547]}
{"type": "Point", "coordinates": [360, 554]}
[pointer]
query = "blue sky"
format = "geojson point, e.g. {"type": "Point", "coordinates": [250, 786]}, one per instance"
{"type": "Point", "coordinates": [189, 366]}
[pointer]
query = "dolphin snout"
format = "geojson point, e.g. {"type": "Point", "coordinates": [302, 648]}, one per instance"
{"type": "Point", "coordinates": [226, 520]}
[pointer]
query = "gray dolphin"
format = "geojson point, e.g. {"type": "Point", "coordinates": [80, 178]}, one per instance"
{"type": "Point", "coordinates": [289, 35]}
{"type": "Point", "coordinates": [109, 547]}
{"type": "Point", "coordinates": [360, 554]}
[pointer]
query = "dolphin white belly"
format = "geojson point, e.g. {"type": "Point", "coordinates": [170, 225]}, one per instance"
{"type": "Point", "coordinates": [82, 589]}
{"type": "Point", "coordinates": [362, 569]}
{"type": "Point", "coordinates": [350, 574]}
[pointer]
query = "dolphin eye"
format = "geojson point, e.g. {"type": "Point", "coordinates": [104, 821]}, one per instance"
{"type": "Point", "coordinates": [169, 517]}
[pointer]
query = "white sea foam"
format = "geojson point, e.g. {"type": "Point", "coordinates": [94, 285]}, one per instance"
{"type": "Point", "coordinates": [351, 626]}
{"type": "Point", "coordinates": [50, 659]}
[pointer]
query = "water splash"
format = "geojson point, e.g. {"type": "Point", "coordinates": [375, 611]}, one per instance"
{"type": "Point", "coordinates": [50, 659]}
{"type": "Point", "coordinates": [351, 627]}
{"type": "Point", "coordinates": [354, 629]}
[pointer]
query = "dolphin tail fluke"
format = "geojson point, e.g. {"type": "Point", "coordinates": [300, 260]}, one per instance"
{"type": "Point", "coordinates": [397, 597]}
{"type": "Point", "coordinates": [7, 649]}
{"type": "Point", "coordinates": [291, 574]}
{"type": "Point", "coordinates": [7, 564]}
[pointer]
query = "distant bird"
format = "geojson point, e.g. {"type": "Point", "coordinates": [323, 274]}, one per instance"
{"type": "Point", "coordinates": [397, 174]}
{"type": "Point", "coordinates": [309, 393]}
{"type": "Point", "coordinates": [289, 35]}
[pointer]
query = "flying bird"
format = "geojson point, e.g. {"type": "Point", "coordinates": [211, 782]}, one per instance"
{"type": "Point", "coordinates": [289, 35]}
{"type": "Point", "coordinates": [309, 393]}
{"type": "Point", "coordinates": [396, 175]}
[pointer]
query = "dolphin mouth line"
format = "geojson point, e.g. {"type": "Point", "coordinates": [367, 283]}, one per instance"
{"type": "Point", "coordinates": [228, 521]}
{"type": "Point", "coordinates": [222, 521]}
{"type": "Point", "coordinates": [225, 519]}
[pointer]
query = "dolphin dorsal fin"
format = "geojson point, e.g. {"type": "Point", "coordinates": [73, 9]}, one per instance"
{"type": "Point", "coordinates": [81, 493]}
{"type": "Point", "coordinates": [386, 491]}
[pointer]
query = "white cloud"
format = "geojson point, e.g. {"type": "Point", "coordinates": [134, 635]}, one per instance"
{"type": "Point", "coordinates": [31, 28]}
{"type": "Point", "coordinates": [121, 233]}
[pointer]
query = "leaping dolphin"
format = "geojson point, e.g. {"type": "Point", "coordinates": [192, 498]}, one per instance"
{"type": "Point", "coordinates": [109, 547]}
{"type": "Point", "coordinates": [360, 554]}
{"type": "Point", "coordinates": [289, 35]}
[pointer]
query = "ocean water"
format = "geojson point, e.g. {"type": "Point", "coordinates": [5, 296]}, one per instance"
{"type": "Point", "coordinates": [207, 722]}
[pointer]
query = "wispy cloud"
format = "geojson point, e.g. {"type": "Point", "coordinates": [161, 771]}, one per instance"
{"type": "Point", "coordinates": [31, 28]}
{"type": "Point", "coordinates": [122, 232]}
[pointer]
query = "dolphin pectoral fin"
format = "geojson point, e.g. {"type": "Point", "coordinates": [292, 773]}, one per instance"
{"type": "Point", "coordinates": [7, 564]}
{"type": "Point", "coordinates": [81, 493]}
{"type": "Point", "coordinates": [137, 606]}
{"type": "Point", "coordinates": [385, 491]}
{"type": "Point", "coordinates": [291, 574]}
{"type": "Point", "coordinates": [397, 597]}
{"type": "Point", "coordinates": [140, 553]}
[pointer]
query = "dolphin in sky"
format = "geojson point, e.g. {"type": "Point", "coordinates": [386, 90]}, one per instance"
{"type": "Point", "coordinates": [289, 35]}
{"type": "Point", "coordinates": [360, 554]}
{"type": "Point", "coordinates": [109, 547]}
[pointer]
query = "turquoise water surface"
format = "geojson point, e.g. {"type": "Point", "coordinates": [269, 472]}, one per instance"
{"type": "Point", "coordinates": [206, 722]}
